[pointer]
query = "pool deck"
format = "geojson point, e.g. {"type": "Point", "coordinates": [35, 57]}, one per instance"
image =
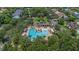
{"type": "Point", "coordinates": [50, 30]}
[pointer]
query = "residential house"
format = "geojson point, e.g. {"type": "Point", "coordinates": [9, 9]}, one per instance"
{"type": "Point", "coordinates": [59, 14]}
{"type": "Point", "coordinates": [78, 23]}
{"type": "Point", "coordinates": [66, 9]}
{"type": "Point", "coordinates": [65, 17]}
{"type": "Point", "coordinates": [53, 22]}
{"type": "Point", "coordinates": [17, 14]}
{"type": "Point", "coordinates": [41, 24]}
{"type": "Point", "coordinates": [72, 25]}
{"type": "Point", "coordinates": [2, 10]}
{"type": "Point", "coordinates": [76, 14]}
{"type": "Point", "coordinates": [77, 27]}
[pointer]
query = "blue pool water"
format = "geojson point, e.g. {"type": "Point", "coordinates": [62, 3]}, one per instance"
{"type": "Point", "coordinates": [33, 34]}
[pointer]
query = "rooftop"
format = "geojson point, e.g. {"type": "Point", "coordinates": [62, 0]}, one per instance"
{"type": "Point", "coordinates": [76, 14]}
{"type": "Point", "coordinates": [18, 12]}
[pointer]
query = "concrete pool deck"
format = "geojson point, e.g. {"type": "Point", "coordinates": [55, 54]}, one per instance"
{"type": "Point", "coordinates": [49, 29]}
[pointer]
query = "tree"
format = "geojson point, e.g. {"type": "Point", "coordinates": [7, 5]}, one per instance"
{"type": "Point", "coordinates": [8, 47]}
{"type": "Point", "coordinates": [7, 26]}
{"type": "Point", "coordinates": [1, 19]}
{"type": "Point", "coordinates": [72, 18]}
{"type": "Point", "coordinates": [2, 33]}
{"type": "Point", "coordinates": [67, 41]}
{"type": "Point", "coordinates": [22, 46]}
{"type": "Point", "coordinates": [38, 12]}
{"type": "Point", "coordinates": [38, 45]}
{"type": "Point", "coordinates": [61, 21]}
{"type": "Point", "coordinates": [13, 22]}
{"type": "Point", "coordinates": [78, 43]}
{"type": "Point", "coordinates": [7, 20]}
{"type": "Point", "coordinates": [37, 20]}
{"type": "Point", "coordinates": [45, 19]}
{"type": "Point", "coordinates": [53, 43]}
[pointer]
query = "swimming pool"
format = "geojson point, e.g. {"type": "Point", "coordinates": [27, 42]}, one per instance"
{"type": "Point", "coordinates": [33, 33]}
